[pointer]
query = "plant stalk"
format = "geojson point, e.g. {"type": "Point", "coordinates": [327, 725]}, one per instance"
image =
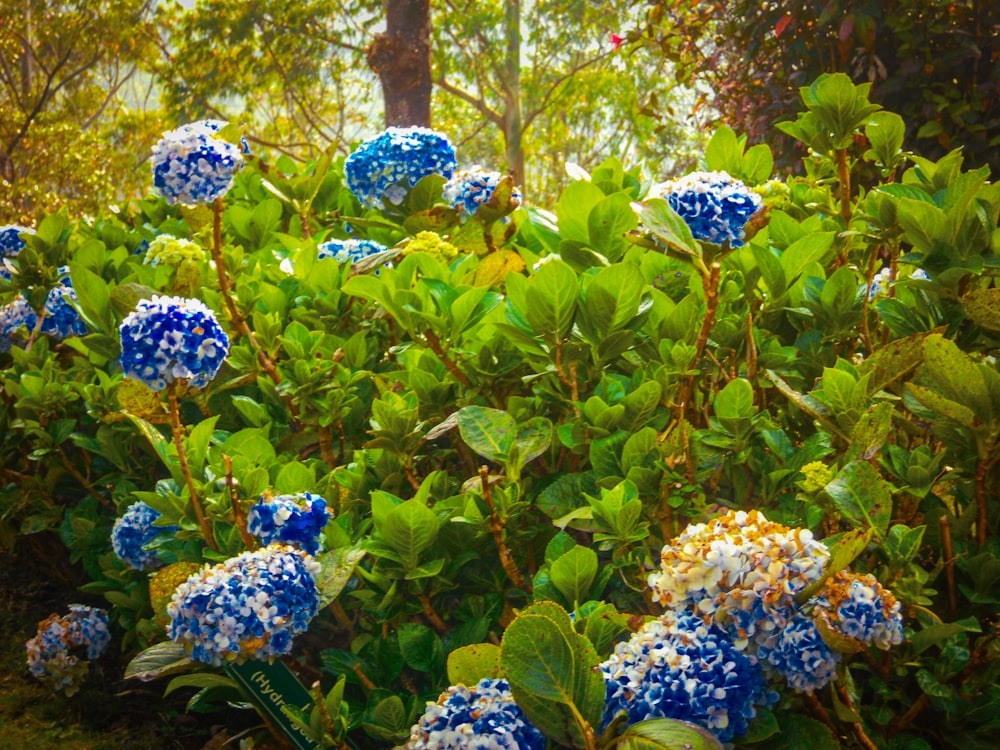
{"type": "Point", "coordinates": [496, 527]}
{"type": "Point", "coordinates": [239, 517]}
{"type": "Point", "coordinates": [178, 433]}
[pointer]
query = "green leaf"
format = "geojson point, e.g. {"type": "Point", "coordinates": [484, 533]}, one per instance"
{"type": "Point", "coordinates": [957, 377]}
{"type": "Point", "coordinates": [799, 732]}
{"type": "Point", "coordinates": [470, 664]}
{"type": "Point", "coordinates": [551, 300]}
{"type": "Point", "coordinates": [93, 296]}
{"type": "Point", "coordinates": [573, 210]}
{"type": "Point", "coordinates": [763, 726]}
{"type": "Point", "coordinates": [294, 477]}
{"type": "Point", "coordinates": [871, 431]}
{"type": "Point", "coordinates": [196, 443]}
{"type": "Point", "coordinates": [942, 631]}
{"type": "Point", "coordinates": [200, 680]}
{"type": "Point", "coordinates": [336, 570]}
{"type": "Point", "coordinates": [533, 438]}
{"type": "Point", "coordinates": [421, 647]}
{"type": "Point", "coordinates": [934, 401]}
{"type": "Point", "coordinates": [489, 432]}
{"type": "Point", "coordinates": [724, 152]}
{"type": "Point", "coordinates": [667, 734]}
{"type": "Point", "coordinates": [816, 247]}
{"type": "Point", "coordinates": [667, 226]}
{"type": "Point", "coordinates": [573, 574]}
{"type": "Point", "coordinates": [735, 401]}
{"type": "Point", "coordinates": [842, 554]}
{"type": "Point", "coordinates": [410, 528]}
{"type": "Point", "coordinates": [884, 131]}
{"type": "Point", "coordinates": [758, 163]}
{"type": "Point", "coordinates": [159, 660]}
{"type": "Point", "coordinates": [607, 224]}
{"type": "Point", "coordinates": [611, 300]}
{"type": "Point", "coordinates": [862, 496]}
{"type": "Point", "coordinates": [982, 306]}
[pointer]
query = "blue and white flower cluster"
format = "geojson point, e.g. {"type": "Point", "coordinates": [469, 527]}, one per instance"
{"type": "Point", "coordinates": [17, 320]}
{"type": "Point", "coordinates": [741, 571]}
{"type": "Point", "coordinates": [483, 717]}
{"type": "Point", "coordinates": [349, 251]}
{"type": "Point", "coordinates": [191, 166]}
{"type": "Point", "coordinates": [859, 607]}
{"type": "Point", "coordinates": [133, 531]}
{"type": "Point", "coordinates": [249, 607]}
{"type": "Point", "coordinates": [11, 242]}
{"type": "Point", "coordinates": [60, 654]}
{"type": "Point", "coordinates": [678, 667]}
{"type": "Point", "coordinates": [297, 520]}
{"type": "Point", "coordinates": [61, 318]}
{"type": "Point", "coordinates": [387, 165]}
{"type": "Point", "coordinates": [172, 338]}
{"type": "Point", "coordinates": [475, 187]}
{"type": "Point", "coordinates": [798, 653]}
{"type": "Point", "coordinates": [714, 205]}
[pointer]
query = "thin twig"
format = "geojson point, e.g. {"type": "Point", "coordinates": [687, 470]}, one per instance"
{"type": "Point", "coordinates": [859, 731]}
{"type": "Point", "coordinates": [178, 433]}
{"type": "Point", "coordinates": [435, 344]}
{"type": "Point", "coordinates": [431, 614]}
{"type": "Point", "coordinates": [496, 527]}
{"type": "Point", "coordinates": [82, 479]}
{"type": "Point", "coordinates": [239, 517]}
{"type": "Point", "coordinates": [949, 565]}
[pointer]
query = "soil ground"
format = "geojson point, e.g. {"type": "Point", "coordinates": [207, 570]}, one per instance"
{"type": "Point", "coordinates": [108, 713]}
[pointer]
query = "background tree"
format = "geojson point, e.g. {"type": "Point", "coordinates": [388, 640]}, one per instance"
{"type": "Point", "coordinates": [74, 124]}
{"type": "Point", "coordinates": [936, 63]}
{"type": "Point", "coordinates": [401, 57]}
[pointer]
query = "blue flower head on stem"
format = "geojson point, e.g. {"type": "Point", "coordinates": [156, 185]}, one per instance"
{"type": "Point", "coordinates": [17, 321]}
{"type": "Point", "coordinates": [469, 189]}
{"type": "Point", "coordinates": [172, 338]}
{"type": "Point", "coordinates": [61, 652]}
{"type": "Point", "coordinates": [249, 607]}
{"type": "Point", "coordinates": [132, 531]}
{"type": "Point", "coordinates": [481, 717]}
{"type": "Point", "coordinates": [349, 251]}
{"type": "Point", "coordinates": [61, 318]}
{"type": "Point", "coordinates": [388, 164]}
{"type": "Point", "coordinates": [677, 667]}
{"type": "Point", "coordinates": [298, 520]}
{"type": "Point", "coordinates": [858, 606]}
{"type": "Point", "coordinates": [799, 654]}
{"type": "Point", "coordinates": [11, 244]}
{"type": "Point", "coordinates": [714, 205]}
{"type": "Point", "coordinates": [191, 166]}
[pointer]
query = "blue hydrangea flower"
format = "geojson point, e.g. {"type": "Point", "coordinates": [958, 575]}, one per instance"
{"type": "Point", "coordinates": [483, 717]}
{"type": "Point", "coordinates": [133, 531]}
{"type": "Point", "coordinates": [741, 571]}
{"type": "Point", "coordinates": [172, 338]}
{"type": "Point", "coordinates": [17, 319]}
{"type": "Point", "coordinates": [349, 251]}
{"type": "Point", "coordinates": [800, 655]}
{"type": "Point", "coordinates": [383, 166]}
{"type": "Point", "coordinates": [10, 245]}
{"type": "Point", "coordinates": [880, 283]}
{"type": "Point", "coordinates": [470, 189]}
{"type": "Point", "coordinates": [60, 654]}
{"type": "Point", "coordinates": [249, 607]}
{"type": "Point", "coordinates": [298, 520]}
{"type": "Point", "coordinates": [677, 667]}
{"type": "Point", "coordinates": [10, 239]}
{"type": "Point", "coordinates": [859, 607]}
{"type": "Point", "coordinates": [714, 205]}
{"type": "Point", "coordinates": [61, 318]}
{"type": "Point", "coordinates": [190, 166]}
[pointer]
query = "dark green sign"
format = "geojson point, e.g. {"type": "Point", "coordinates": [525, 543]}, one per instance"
{"type": "Point", "coordinates": [272, 685]}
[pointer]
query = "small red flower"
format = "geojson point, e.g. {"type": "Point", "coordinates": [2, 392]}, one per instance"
{"type": "Point", "coordinates": [616, 42]}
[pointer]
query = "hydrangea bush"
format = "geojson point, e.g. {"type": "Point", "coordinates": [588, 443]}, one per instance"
{"type": "Point", "coordinates": [60, 654]}
{"type": "Point", "coordinates": [647, 464]}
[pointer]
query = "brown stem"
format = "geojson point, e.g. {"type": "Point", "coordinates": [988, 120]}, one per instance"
{"type": "Point", "coordinates": [819, 711]}
{"type": "Point", "coordinates": [239, 517]}
{"type": "Point", "coordinates": [435, 344]}
{"type": "Point", "coordinates": [711, 286]}
{"type": "Point", "coordinates": [82, 479]}
{"type": "Point", "coordinates": [411, 477]}
{"type": "Point", "coordinates": [365, 682]}
{"type": "Point", "coordinates": [239, 322]}
{"type": "Point", "coordinates": [178, 433]}
{"type": "Point", "coordinates": [949, 566]}
{"type": "Point", "coordinates": [906, 719]}
{"type": "Point", "coordinates": [496, 527]}
{"type": "Point", "coordinates": [431, 614]}
{"type": "Point", "coordinates": [325, 433]}
{"type": "Point", "coordinates": [340, 614]}
{"type": "Point", "coordinates": [569, 382]}
{"type": "Point", "coordinates": [751, 349]}
{"type": "Point", "coordinates": [859, 731]}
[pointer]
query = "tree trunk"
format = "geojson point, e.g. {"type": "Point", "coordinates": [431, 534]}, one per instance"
{"type": "Point", "coordinates": [512, 124]}
{"type": "Point", "coordinates": [401, 57]}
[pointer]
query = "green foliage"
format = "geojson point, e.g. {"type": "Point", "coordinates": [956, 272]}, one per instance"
{"type": "Point", "coordinates": [502, 443]}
